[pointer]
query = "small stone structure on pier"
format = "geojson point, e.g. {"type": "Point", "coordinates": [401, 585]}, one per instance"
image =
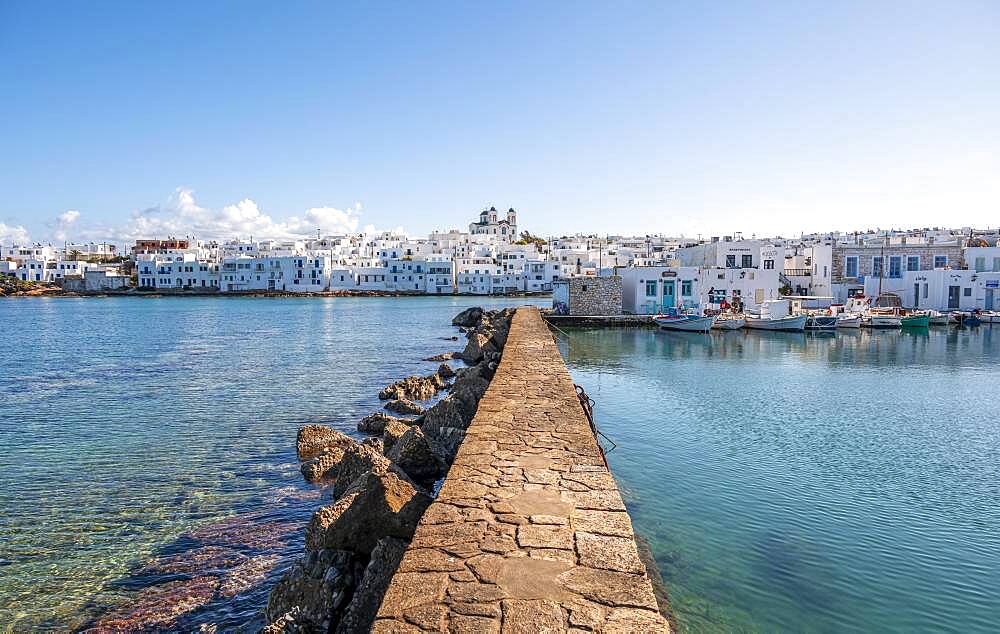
{"type": "Point", "coordinates": [529, 532]}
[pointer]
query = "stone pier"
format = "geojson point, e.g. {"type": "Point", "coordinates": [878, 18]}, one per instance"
{"type": "Point", "coordinates": [529, 532]}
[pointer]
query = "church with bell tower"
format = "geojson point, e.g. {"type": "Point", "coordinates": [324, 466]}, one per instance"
{"type": "Point", "coordinates": [490, 223]}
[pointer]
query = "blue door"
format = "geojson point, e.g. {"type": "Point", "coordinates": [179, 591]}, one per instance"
{"type": "Point", "coordinates": [668, 294]}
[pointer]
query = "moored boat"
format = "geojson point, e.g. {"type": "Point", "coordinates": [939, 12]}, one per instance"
{"type": "Point", "coordinates": [849, 321]}
{"type": "Point", "coordinates": [729, 322]}
{"type": "Point", "coordinates": [916, 320]}
{"type": "Point", "coordinates": [688, 323]}
{"type": "Point", "coordinates": [882, 320]}
{"type": "Point", "coordinates": [774, 315]}
{"type": "Point", "coordinates": [989, 317]}
{"type": "Point", "coordinates": [821, 322]}
{"type": "Point", "coordinates": [936, 318]}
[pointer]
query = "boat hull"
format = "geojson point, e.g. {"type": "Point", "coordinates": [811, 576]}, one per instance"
{"type": "Point", "coordinates": [729, 324]}
{"type": "Point", "coordinates": [787, 324]}
{"type": "Point", "coordinates": [853, 321]}
{"type": "Point", "coordinates": [915, 321]}
{"type": "Point", "coordinates": [686, 324]}
{"type": "Point", "coordinates": [821, 322]}
{"type": "Point", "coordinates": [883, 321]}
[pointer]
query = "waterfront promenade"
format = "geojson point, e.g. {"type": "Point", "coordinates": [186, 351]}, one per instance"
{"type": "Point", "coordinates": [529, 532]}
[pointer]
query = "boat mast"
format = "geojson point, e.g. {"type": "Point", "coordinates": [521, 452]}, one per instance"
{"type": "Point", "coordinates": [881, 268]}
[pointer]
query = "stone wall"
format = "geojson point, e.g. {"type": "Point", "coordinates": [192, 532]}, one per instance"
{"type": "Point", "coordinates": [595, 295]}
{"type": "Point", "coordinates": [865, 255]}
{"type": "Point", "coordinates": [529, 532]}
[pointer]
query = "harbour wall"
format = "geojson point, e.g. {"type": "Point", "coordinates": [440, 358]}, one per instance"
{"type": "Point", "coordinates": [529, 532]}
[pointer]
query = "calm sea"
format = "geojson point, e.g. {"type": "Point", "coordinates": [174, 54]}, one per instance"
{"type": "Point", "coordinates": [786, 482]}
{"type": "Point", "coordinates": [802, 483]}
{"type": "Point", "coordinates": [147, 446]}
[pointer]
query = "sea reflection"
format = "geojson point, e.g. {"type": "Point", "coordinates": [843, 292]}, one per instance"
{"type": "Point", "coordinates": [808, 482]}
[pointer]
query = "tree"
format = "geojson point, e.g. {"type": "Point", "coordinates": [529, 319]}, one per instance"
{"type": "Point", "coordinates": [527, 238]}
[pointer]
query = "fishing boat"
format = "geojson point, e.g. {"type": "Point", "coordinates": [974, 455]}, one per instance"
{"type": "Point", "coordinates": [821, 322]}
{"type": "Point", "coordinates": [848, 320]}
{"type": "Point", "coordinates": [915, 320]}
{"type": "Point", "coordinates": [775, 315]}
{"type": "Point", "coordinates": [936, 318]}
{"type": "Point", "coordinates": [989, 317]}
{"type": "Point", "coordinates": [971, 319]}
{"type": "Point", "coordinates": [729, 322]}
{"type": "Point", "coordinates": [875, 319]}
{"type": "Point", "coordinates": [675, 320]}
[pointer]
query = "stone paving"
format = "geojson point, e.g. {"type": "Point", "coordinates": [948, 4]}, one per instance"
{"type": "Point", "coordinates": [529, 532]}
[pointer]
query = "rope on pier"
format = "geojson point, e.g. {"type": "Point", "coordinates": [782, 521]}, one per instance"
{"type": "Point", "coordinates": [587, 404]}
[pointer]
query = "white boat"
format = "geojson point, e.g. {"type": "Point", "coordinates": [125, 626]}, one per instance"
{"type": "Point", "coordinates": [774, 315]}
{"type": "Point", "coordinates": [876, 320]}
{"type": "Point", "coordinates": [849, 321]}
{"type": "Point", "coordinates": [937, 318]}
{"type": "Point", "coordinates": [729, 322]}
{"type": "Point", "coordinates": [821, 322]}
{"type": "Point", "coordinates": [989, 317]}
{"type": "Point", "coordinates": [688, 323]}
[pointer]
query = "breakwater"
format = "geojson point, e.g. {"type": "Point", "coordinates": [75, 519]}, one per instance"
{"type": "Point", "coordinates": [381, 487]}
{"type": "Point", "coordinates": [528, 531]}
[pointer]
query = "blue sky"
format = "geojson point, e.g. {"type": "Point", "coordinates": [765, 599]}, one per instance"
{"type": "Point", "coordinates": [118, 119]}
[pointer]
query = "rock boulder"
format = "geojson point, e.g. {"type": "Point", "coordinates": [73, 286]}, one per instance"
{"type": "Point", "coordinates": [317, 586]}
{"type": "Point", "coordinates": [468, 317]}
{"type": "Point", "coordinates": [376, 505]}
{"type": "Point", "coordinates": [324, 466]}
{"type": "Point", "coordinates": [360, 613]}
{"type": "Point", "coordinates": [312, 440]}
{"type": "Point", "coordinates": [403, 406]}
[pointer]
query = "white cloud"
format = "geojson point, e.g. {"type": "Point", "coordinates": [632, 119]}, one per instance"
{"type": "Point", "coordinates": [181, 215]}
{"type": "Point", "coordinates": [13, 235]}
{"type": "Point", "coordinates": [63, 223]}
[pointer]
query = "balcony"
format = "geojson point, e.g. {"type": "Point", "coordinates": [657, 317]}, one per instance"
{"type": "Point", "coordinates": [798, 272]}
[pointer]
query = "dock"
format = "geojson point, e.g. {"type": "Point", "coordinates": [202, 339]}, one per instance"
{"type": "Point", "coordinates": [529, 532]}
{"type": "Point", "coordinates": [602, 321]}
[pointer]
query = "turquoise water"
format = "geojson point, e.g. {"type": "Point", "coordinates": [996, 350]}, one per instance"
{"type": "Point", "coordinates": [148, 456]}
{"type": "Point", "coordinates": [801, 483]}
{"type": "Point", "coordinates": [786, 482]}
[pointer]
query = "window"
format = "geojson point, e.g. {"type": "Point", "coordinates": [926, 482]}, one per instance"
{"type": "Point", "coordinates": [651, 288]}
{"type": "Point", "coordinates": [926, 288]}
{"type": "Point", "coordinates": [686, 288]}
{"type": "Point", "coordinates": [940, 261]}
{"type": "Point", "coordinates": [877, 266]}
{"type": "Point", "coordinates": [730, 261]}
{"type": "Point", "coordinates": [913, 263]}
{"type": "Point", "coordinates": [768, 265]}
{"type": "Point", "coordinates": [980, 264]}
{"type": "Point", "coordinates": [996, 264]}
{"type": "Point", "coordinates": [967, 291]}
{"type": "Point", "coordinates": [895, 266]}
{"type": "Point", "coordinates": [851, 266]}
{"type": "Point", "coordinates": [747, 261]}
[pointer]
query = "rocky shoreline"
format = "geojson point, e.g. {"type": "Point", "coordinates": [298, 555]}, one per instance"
{"type": "Point", "coordinates": [380, 487]}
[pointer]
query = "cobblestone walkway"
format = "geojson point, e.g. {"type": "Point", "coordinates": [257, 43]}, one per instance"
{"type": "Point", "coordinates": [529, 533]}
